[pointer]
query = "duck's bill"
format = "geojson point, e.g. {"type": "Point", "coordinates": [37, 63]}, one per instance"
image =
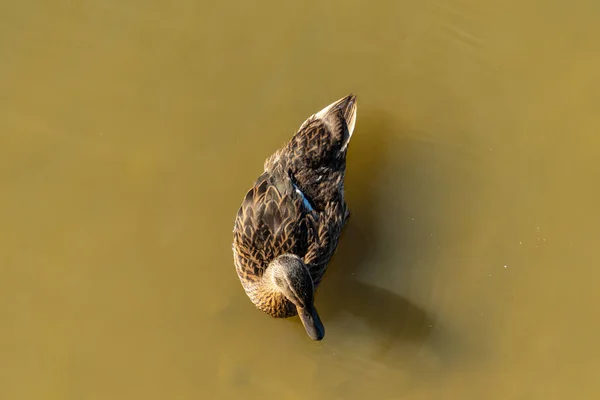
{"type": "Point", "coordinates": [312, 323]}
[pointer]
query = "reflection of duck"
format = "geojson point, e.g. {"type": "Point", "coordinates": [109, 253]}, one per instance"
{"type": "Point", "coordinates": [289, 223]}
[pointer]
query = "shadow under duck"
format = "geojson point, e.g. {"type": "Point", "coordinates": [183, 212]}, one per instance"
{"type": "Point", "coordinates": [289, 224]}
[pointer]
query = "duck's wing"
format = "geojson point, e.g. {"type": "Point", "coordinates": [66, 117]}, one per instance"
{"type": "Point", "coordinates": [323, 239]}
{"type": "Point", "coordinates": [271, 221]}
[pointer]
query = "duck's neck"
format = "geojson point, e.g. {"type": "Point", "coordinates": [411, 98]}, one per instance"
{"type": "Point", "coordinates": [266, 296]}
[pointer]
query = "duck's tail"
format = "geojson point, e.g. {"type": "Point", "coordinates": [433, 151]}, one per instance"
{"type": "Point", "coordinates": [339, 118]}
{"type": "Point", "coordinates": [322, 139]}
{"type": "Point", "coordinates": [339, 113]}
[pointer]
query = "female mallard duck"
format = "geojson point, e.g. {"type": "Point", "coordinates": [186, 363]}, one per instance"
{"type": "Point", "coordinates": [289, 224]}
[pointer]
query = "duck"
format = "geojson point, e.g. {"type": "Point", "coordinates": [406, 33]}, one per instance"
{"type": "Point", "coordinates": [289, 224]}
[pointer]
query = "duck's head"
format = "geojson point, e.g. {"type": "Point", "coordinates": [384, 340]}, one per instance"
{"type": "Point", "coordinates": [289, 276]}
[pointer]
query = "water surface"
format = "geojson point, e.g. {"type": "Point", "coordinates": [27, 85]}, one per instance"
{"type": "Point", "coordinates": [130, 131]}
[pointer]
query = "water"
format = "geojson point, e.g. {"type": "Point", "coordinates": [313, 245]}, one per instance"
{"type": "Point", "coordinates": [130, 131]}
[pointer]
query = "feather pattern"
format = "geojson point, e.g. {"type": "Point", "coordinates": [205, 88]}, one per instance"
{"type": "Point", "coordinates": [296, 206]}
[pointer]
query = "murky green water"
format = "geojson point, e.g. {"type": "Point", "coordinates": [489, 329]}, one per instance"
{"type": "Point", "coordinates": [130, 131]}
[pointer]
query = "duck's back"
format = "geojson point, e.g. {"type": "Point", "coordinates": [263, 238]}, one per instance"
{"type": "Point", "coordinates": [271, 221]}
{"type": "Point", "coordinates": [315, 157]}
{"type": "Point", "coordinates": [315, 161]}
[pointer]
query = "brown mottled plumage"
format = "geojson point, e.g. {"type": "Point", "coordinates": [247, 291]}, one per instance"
{"type": "Point", "coordinates": [288, 226]}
